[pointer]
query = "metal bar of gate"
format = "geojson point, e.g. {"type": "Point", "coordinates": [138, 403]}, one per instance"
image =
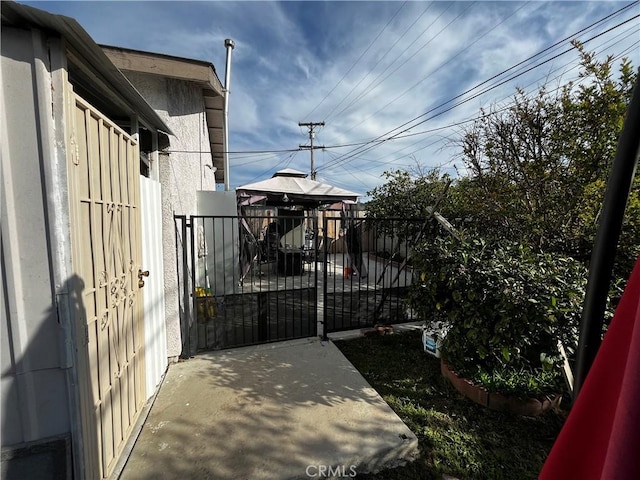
{"type": "Point", "coordinates": [193, 331]}
{"type": "Point", "coordinates": [186, 314]}
{"type": "Point", "coordinates": [325, 272]}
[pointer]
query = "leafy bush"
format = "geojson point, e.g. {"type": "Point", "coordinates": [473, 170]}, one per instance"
{"type": "Point", "coordinates": [507, 307]}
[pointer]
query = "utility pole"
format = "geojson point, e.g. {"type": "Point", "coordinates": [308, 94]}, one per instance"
{"type": "Point", "coordinates": [311, 126]}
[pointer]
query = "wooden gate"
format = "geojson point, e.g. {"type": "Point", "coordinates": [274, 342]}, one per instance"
{"type": "Point", "coordinates": [104, 193]}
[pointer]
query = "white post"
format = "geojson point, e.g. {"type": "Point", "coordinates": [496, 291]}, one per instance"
{"type": "Point", "coordinates": [228, 43]}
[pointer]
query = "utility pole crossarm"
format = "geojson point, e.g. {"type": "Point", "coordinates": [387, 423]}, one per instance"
{"type": "Point", "coordinates": [308, 147]}
{"type": "Point", "coordinates": [311, 126]}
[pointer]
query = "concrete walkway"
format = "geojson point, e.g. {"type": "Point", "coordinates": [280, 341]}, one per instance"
{"type": "Point", "coordinates": [279, 411]}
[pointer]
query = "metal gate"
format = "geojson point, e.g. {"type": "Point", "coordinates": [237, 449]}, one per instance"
{"type": "Point", "coordinates": [368, 271]}
{"type": "Point", "coordinates": [264, 278]}
{"type": "Point", "coordinates": [104, 193]}
{"type": "Point", "coordinates": [240, 288]}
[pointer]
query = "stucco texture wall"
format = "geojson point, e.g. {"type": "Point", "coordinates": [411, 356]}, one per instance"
{"type": "Point", "coordinates": [34, 388]}
{"type": "Point", "coordinates": [182, 172]}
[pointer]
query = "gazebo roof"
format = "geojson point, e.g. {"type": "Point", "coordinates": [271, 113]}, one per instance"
{"type": "Point", "coordinates": [291, 187]}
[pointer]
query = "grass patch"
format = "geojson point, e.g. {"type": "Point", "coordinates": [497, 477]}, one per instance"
{"type": "Point", "coordinates": [456, 436]}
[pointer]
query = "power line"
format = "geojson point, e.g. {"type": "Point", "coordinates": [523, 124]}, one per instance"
{"type": "Point", "coordinates": [267, 154]}
{"type": "Point", "coordinates": [259, 160]}
{"type": "Point", "coordinates": [552, 47]}
{"type": "Point", "coordinates": [359, 180]}
{"type": "Point", "coordinates": [329, 115]}
{"type": "Point", "coordinates": [286, 160]}
{"type": "Point", "coordinates": [442, 65]}
{"type": "Point", "coordinates": [370, 88]}
{"type": "Point", "coordinates": [358, 60]}
{"type": "Point", "coordinates": [381, 139]}
{"type": "Point", "coordinates": [494, 112]}
{"type": "Point", "coordinates": [474, 118]}
{"type": "Point", "coordinates": [341, 159]}
{"type": "Point", "coordinates": [236, 152]}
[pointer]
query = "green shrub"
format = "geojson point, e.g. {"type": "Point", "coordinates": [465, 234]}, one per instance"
{"type": "Point", "coordinates": [506, 306]}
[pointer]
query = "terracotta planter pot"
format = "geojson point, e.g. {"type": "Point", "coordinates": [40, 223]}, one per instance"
{"type": "Point", "coordinates": [520, 406]}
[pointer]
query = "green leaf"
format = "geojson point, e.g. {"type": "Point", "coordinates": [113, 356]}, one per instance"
{"type": "Point", "coordinates": [506, 354]}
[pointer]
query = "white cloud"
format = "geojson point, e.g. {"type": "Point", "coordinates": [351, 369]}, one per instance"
{"type": "Point", "coordinates": [243, 112]}
{"type": "Point", "coordinates": [290, 55]}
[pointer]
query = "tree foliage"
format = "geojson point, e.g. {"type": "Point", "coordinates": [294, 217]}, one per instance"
{"type": "Point", "coordinates": [538, 163]}
{"type": "Point", "coordinates": [536, 169]}
{"type": "Point", "coordinates": [407, 196]}
{"type": "Point", "coordinates": [529, 205]}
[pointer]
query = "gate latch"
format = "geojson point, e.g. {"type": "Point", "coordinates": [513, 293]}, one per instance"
{"type": "Point", "coordinates": [140, 275]}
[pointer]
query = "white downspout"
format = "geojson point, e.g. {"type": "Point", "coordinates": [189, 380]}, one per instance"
{"type": "Point", "coordinates": [228, 43]}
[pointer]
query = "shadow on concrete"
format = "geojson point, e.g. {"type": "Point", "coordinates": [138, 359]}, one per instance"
{"type": "Point", "coordinates": [282, 411]}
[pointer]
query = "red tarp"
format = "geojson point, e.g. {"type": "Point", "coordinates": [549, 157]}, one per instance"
{"type": "Point", "coordinates": [601, 437]}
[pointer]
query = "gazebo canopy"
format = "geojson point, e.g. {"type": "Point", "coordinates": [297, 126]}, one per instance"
{"type": "Point", "coordinates": [291, 187]}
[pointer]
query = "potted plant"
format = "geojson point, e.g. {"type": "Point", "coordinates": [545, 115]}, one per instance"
{"type": "Point", "coordinates": [508, 310]}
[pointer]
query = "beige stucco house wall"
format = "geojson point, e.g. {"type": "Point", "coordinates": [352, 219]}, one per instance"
{"type": "Point", "coordinates": [189, 97]}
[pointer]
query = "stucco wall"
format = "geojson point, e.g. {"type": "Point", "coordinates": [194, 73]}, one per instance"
{"type": "Point", "coordinates": [34, 390]}
{"type": "Point", "coordinates": [182, 172]}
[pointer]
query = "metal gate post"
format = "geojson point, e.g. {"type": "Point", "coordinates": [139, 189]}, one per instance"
{"type": "Point", "coordinates": [322, 298]}
{"type": "Point", "coordinates": [193, 331]}
{"type": "Point", "coordinates": [186, 314]}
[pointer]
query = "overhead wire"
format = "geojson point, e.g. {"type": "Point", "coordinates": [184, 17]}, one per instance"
{"type": "Point", "coordinates": [250, 153]}
{"type": "Point", "coordinates": [520, 74]}
{"type": "Point", "coordinates": [380, 162]}
{"type": "Point", "coordinates": [268, 153]}
{"type": "Point", "coordinates": [286, 150]}
{"type": "Point", "coordinates": [551, 47]}
{"type": "Point", "coordinates": [366, 92]}
{"type": "Point", "coordinates": [286, 161]}
{"type": "Point", "coordinates": [359, 180]}
{"type": "Point", "coordinates": [575, 63]}
{"type": "Point", "coordinates": [605, 45]}
{"type": "Point", "coordinates": [394, 159]}
{"type": "Point", "coordinates": [358, 60]}
{"type": "Point", "coordinates": [407, 30]}
{"type": "Point", "coordinates": [371, 87]}
{"type": "Point", "coordinates": [383, 138]}
{"type": "Point", "coordinates": [519, 64]}
{"type": "Point", "coordinates": [263, 158]}
{"type": "Point", "coordinates": [379, 140]}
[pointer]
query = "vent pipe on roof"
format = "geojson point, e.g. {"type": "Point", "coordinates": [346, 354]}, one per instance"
{"type": "Point", "coordinates": [229, 44]}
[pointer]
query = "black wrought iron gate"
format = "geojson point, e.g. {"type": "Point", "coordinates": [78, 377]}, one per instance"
{"type": "Point", "coordinates": [368, 272]}
{"type": "Point", "coordinates": [240, 284]}
{"type": "Point", "coordinates": [264, 278]}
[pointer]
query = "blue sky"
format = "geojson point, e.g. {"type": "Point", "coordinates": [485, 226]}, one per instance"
{"type": "Point", "coordinates": [365, 68]}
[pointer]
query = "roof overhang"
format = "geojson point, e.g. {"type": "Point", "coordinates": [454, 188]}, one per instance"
{"type": "Point", "coordinates": [197, 72]}
{"type": "Point", "coordinates": [89, 60]}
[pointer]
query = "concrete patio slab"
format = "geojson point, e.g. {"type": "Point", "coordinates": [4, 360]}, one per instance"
{"type": "Point", "coordinates": [280, 411]}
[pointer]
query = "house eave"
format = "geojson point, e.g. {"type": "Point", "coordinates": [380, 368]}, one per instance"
{"type": "Point", "coordinates": [86, 53]}
{"type": "Point", "coordinates": [198, 72]}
